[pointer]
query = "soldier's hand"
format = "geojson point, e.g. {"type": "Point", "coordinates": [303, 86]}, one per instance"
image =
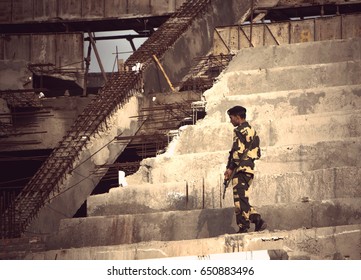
{"type": "Point", "coordinates": [227, 174]}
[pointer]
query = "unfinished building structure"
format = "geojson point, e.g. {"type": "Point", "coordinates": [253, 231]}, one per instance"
{"type": "Point", "coordinates": [294, 64]}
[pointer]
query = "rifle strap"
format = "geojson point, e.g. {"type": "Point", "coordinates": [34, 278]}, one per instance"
{"type": "Point", "coordinates": [243, 140]}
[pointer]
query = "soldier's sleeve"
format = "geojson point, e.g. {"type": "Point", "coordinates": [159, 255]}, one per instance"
{"type": "Point", "coordinates": [231, 164]}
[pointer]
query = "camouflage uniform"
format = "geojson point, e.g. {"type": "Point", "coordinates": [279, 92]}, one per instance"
{"type": "Point", "coordinates": [244, 137]}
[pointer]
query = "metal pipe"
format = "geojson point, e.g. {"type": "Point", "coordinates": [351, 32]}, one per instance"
{"type": "Point", "coordinates": [97, 56]}
{"type": "Point", "coordinates": [164, 73]}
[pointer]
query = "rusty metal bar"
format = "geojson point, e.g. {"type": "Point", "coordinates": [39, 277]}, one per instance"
{"type": "Point", "coordinates": [220, 37]}
{"type": "Point", "coordinates": [269, 30]}
{"type": "Point", "coordinates": [97, 56]}
{"type": "Point", "coordinates": [163, 72]}
{"type": "Point", "coordinates": [248, 39]}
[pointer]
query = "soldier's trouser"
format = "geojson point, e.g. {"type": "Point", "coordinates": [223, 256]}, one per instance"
{"type": "Point", "coordinates": [243, 210]}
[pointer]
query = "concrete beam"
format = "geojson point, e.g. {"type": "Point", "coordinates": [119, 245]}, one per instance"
{"type": "Point", "coordinates": [288, 103]}
{"type": "Point", "coordinates": [331, 183]}
{"type": "Point", "coordinates": [291, 78]}
{"type": "Point", "coordinates": [330, 28]}
{"type": "Point", "coordinates": [50, 10]}
{"type": "Point", "coordinates": [321, 243]}
{"type": "Point", "coordinates": [195, 224]}
{"type": "Point", "coordinates": [78, 185]}
{"type": "Point", "coordinates": [316, 243]}
{"type": "Point", "coordinates": [330, 51]}
{"type": "Point", "coordinates": [292, 130]}
{"type": "Point", "coordinates": [63, 111]}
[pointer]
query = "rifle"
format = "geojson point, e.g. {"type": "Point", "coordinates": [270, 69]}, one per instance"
{"type": "Point", "coordinates": [226, 182]}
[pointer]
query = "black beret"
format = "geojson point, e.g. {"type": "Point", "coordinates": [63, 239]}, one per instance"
{"type": "Point", "coordinates": [236, 110]}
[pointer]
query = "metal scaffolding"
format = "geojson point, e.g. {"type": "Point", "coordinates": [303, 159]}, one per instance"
{"type": "Point", "coordinates": [205, 71]}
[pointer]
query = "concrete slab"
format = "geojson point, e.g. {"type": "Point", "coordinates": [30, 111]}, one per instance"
{"type": "Point", "coordinates": [275, 160]}
{"type": "Point", "coordinates": [195, 224]}
{"type": "Point", "coordinates": [319, 184]}
{"type": "Point", "coordinates": [267, 189]}
{"type": "Point", "coordinates": [292, 130]}
{"type": "Point", "coordinates": [282, 104]}
{"type": "Point", "coordinates": [341, 242]}
{"type": "Point", "coordinates": [296, 54]}
{"type": "Point", "coordinates": [288, 78]}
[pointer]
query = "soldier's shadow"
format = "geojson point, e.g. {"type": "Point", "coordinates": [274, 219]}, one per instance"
{"type": "Point", "coordinates": [215, 222]}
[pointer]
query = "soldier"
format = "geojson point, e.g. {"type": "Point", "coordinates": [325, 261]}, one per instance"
{"type": "Point", "coordinates": [240, 169]}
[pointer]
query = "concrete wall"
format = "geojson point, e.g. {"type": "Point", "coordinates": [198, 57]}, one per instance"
{"type": "Point", "coordinates": [14, 74]}
{"type": "Point", "coordinates": [62, 50]}
{"type": "Point", "coordinates": [196, 224]}
{"type": "Point", "coordinates": [319, 243]}
{"type": "Point", "coordinates": [62, 112]}
{"type": "Point", "coordinates": [17, 11]}
{"type": "Point", "coordinates": [101, 149]}
{"type": "Point", "coordinates": [297, 31]}
{"type": "Point", "coordinates": [197, 41]}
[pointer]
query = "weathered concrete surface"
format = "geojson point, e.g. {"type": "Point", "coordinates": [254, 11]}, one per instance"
{"type": "Point", "coordinates": [62, 110]}
{"type": "Point", "coordinates": [290, 68]}
{"type": "Point", "coordinates": [292, 77]}
{"type": "Point", "coordinates": [204, 223]}
{"type": "Point", "coordinates": [274, 160]}
{"type": "Point", "coordinates": [101, 149]}
{"type": "Point", "coordinates": [296, 54]}
{"type": "Point", "coordinates": [233, 38]}
{"type": "Point", "coordinates": [267, 189]}
{"type": "Point", "coordinates": [44, 48]}
{"type": "Point", "coordinates": [341, 242]}
{"type": "Point", "coordinates": [49, 10]}
{"type": "Point", "coordinates": [298, 129]}
{"type": "Point", "coordinates": [14, 74]}
{"type": "Point", "coordinates": [287, 103]}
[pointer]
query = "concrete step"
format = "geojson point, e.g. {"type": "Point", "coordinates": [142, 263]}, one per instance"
{"type": "Point", "coordinates": [282, 104]}
{"type": "Point", "coordinates": [267, 189]}
{"type": "Point", "coordinates": [275, 159]}
{"type": "Point", "coordinates": [243, 82]}
{"type": "Point", "coordinates": [328, 243]}
{"type": "Point", "coordinates": [196, 224]}
{"type": "Point", "coordinates": [296, 54]}
{"type": "Point", "coordinates": [298, 129]}
{"type": "Point", "coordinates": [307, 157]}
{"type": "Point", "coordinates": [18, 248]}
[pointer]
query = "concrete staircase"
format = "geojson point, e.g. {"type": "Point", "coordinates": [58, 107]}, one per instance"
{"type": "Point", "coordinates": [305, 102]}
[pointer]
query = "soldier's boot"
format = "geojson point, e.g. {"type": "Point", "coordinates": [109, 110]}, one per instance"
{"type": "Point", "coordinates": [243, 228]}
{"type": "Point", "coordinates": [259, 223]}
